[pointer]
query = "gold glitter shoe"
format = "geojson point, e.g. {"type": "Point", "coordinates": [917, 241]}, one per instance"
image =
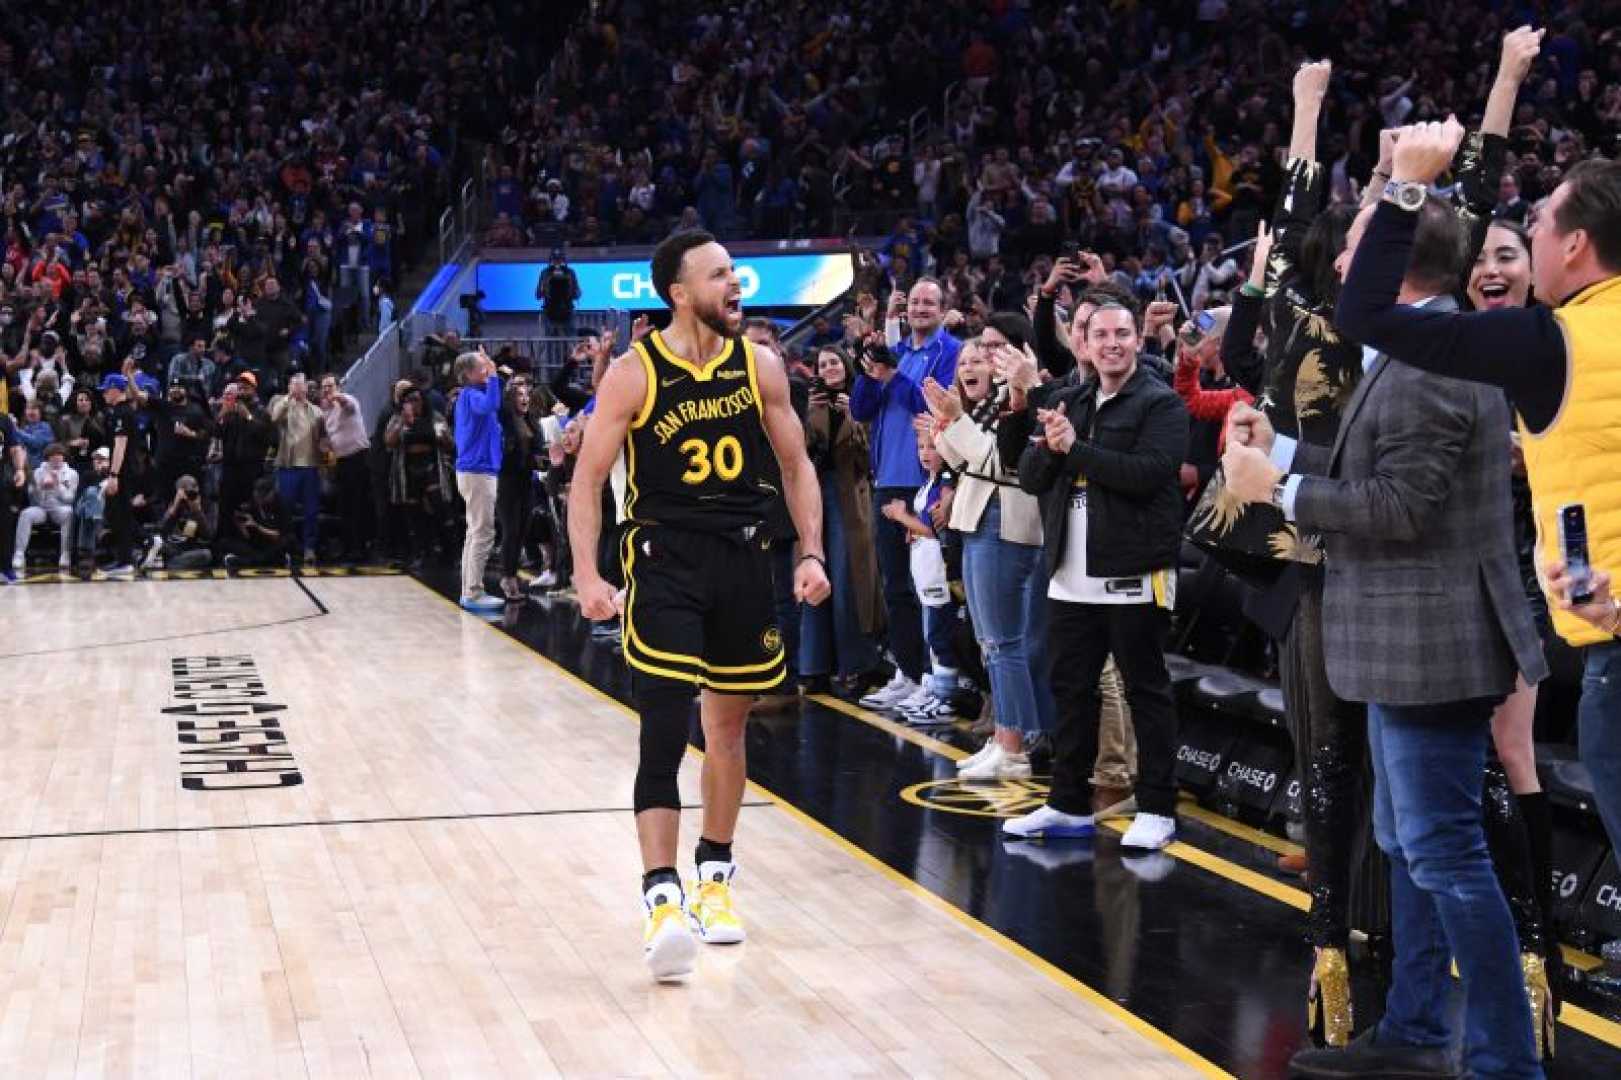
{"type": "Point", "coordinates": [1328, 1002]}
{"type": "Point", "coordinates": [1541, 999]}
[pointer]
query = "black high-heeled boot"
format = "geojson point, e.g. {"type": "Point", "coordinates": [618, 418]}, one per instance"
{"type": "Point", "coordinates": [1539, 833]}
{"type": "Point", "coordinates": [1510, 847]}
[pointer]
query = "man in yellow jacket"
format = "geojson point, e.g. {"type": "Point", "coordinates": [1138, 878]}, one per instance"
{"type": "Point", "coordinates": [1561, 367]}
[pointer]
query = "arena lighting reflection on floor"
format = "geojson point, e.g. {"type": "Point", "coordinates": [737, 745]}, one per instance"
{"type": "Point", "coordinates": [1187, 942]}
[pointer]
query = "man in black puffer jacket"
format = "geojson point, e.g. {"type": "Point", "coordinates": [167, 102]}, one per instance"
{"type": "Point", "coordinates": [1103, 457]}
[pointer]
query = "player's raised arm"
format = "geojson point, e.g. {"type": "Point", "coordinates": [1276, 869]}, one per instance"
{"type": "Point", "coordinates": [621, 395]}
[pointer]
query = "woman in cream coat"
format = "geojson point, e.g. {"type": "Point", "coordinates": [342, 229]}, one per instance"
{"type": "Point", "coordinates": [1003, 570]}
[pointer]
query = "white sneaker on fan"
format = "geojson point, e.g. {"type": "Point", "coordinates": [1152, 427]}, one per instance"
{"type": "Point", "coordinates": [919, 694]}
{"type": "Point", "coordinates": [898, 687]}
{"type": "Point", "coordinates": [1149, 832]}
{"type": "Point", "coordinates": [1001, 766]}
{"type": "Point", "coordinates": [933, 710]}
{"type": "Point", "coordinates": [990, 747]}
{"type": "Point", "coordinates": [1045, 823]}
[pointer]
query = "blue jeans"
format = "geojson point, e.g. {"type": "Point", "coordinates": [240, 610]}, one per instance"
{"type": "Point", "coordinates": [87, 523]}
{"type": "Point", "coordinates": [1599, 722]}
{"type": "Point", "coordinates": [830, 636]}
{"type": "Point", "coordinates": [1429, 765]}
{"type": "Point", "coordinates": [900, 599]}
{"type": "Point", "coordinates": [939, 630]}
{"type": "Point", "coordinates": [300, 491]}
{"type": "Point", "coordinates": [1000, 578]}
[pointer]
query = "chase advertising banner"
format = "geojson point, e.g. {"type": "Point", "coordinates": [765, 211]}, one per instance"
{"type": "Point", "coordinates": [769, 281]}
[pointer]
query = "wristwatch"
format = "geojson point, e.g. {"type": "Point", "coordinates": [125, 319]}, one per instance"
{"type": "Point", "coordinates": [1278, 490]}
{"type": "Point", "coordinates": [1405, 194]}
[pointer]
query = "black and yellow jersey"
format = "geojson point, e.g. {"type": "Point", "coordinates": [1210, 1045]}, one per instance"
{"type": "Point", "coordinates": [696, 454]}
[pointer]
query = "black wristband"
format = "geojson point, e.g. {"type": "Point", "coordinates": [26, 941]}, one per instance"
{"type": "Point", "coordinates": [819, 560]}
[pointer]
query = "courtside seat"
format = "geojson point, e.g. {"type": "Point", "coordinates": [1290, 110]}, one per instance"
{"type": "Point", "coordinates": [1223, 690]}
{"type": "Point", "coordinates": [1270, 701]}
{"type": "Point", "coordinates": [1264, 706]}
{"type": "Point", "coordinates": [1185, 675]}
{"type": "Point", "coordinates": [1564, 777]}
{"type": "Point", "coordinates": [1184, 672]}
{"type": "Point", "coordinates": [1237, 696]}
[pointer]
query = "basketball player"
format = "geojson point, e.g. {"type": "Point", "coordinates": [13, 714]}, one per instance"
{"type": "Point", "coordinates": [696, 410]}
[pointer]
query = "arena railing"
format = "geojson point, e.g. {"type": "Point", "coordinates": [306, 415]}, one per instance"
{"type": "Point", "coordinates": [545, 354]}
{"type": "Point", "coordinates": [797, 335]}
{"type": "Point", "coordinates": [371, 379]}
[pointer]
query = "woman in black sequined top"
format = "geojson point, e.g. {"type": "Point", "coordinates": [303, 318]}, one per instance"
{"type": "Point", "coordinates": [1304, 379]}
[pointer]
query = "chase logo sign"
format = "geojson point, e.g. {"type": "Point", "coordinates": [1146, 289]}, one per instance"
{"type": "Point", "coordinates": [767, 281]}
{"type": "Point", "coordinates": [631, 286]}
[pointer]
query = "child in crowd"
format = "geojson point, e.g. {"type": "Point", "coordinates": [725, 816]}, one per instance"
{"type": "Point", "coordinates": [932, 705]}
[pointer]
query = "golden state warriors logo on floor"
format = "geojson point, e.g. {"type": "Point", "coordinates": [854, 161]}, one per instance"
{"type": "Point", "coordinates": [999, 799]}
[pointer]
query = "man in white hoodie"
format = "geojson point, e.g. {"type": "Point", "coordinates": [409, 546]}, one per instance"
{"type": "Point", "coordinates": [51, 498]}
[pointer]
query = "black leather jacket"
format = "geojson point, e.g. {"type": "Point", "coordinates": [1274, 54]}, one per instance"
{"type": "Point", "coordinates": [1130, 451]}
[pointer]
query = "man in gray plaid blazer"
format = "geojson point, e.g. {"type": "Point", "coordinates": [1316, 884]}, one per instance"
{"type": "Point", "coordinates": [1425, 620]}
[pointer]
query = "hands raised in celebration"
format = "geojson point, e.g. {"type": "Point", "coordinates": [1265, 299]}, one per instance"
{"type": "Point", "coordinates": [1424, 151]}
{"type": "Point", "coordinates": [1311, 82]}
{"type": "Point", "coordinates": [1520, 49]}
{"type": "Point", "coordinates": [944, 405]}
{"type": "Point", "coordinates": [1249, 426]}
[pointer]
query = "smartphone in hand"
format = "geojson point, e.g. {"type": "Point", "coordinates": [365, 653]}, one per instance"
{"type": "Point", "coordinates": [1573, 546]}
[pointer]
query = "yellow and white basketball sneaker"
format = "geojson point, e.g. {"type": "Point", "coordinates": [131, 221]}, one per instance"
{"type": "Point", "coordinates": [667, 941]}
{"type": "Point", "coordinates": [711, 906]}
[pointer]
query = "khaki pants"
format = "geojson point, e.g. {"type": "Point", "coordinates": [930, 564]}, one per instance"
{"type": "Point", "coordinates": [478, 492]}
{"type": "Point", "coordinates": [1117, 741]}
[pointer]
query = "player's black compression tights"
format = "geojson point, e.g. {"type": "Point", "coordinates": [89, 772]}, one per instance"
{"type": "Point", "coordinates": [665, 707]}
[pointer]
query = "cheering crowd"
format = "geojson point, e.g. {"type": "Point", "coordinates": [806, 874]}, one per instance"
{"type": "Point", "coordinates": [199, 205]}
{"type": "Point", "coordinates": [1006, 495]}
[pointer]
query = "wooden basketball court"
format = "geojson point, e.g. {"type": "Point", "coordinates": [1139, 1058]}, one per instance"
{"type": "Point", "coordinates": [335, 827]}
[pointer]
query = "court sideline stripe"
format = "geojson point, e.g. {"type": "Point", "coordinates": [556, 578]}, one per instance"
{"type": "Point", "coordinates": [161, 830]}
{"type": "Point", "coordinates": [319, 613]}
{"type": "Point", "coordinates": [213, 573]}
{"type": "Point", "coordinates": [917, 738]}
{"type": "Point", "coordinates": [1062, 978]}
{"type": "Point", "coordinates": [1570, 1015]}
{"type": "Point", "coordinates": [316, 600]}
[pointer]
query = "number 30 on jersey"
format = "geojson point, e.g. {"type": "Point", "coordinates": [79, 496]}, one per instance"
{"type": "Point", "coordinates": [723, 458]}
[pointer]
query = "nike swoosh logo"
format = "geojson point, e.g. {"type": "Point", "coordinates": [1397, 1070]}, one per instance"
{"type": "Point", "coordinates": [667, 383]}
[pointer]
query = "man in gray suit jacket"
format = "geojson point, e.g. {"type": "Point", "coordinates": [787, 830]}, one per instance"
{"type": "Point", "coordinates": [1426, 621]}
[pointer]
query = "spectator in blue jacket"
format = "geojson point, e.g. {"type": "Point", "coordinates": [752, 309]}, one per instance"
{"type": "Point", "coordinates": [888, 394]}
{"type": "Point", "coordinates": [478, 467]}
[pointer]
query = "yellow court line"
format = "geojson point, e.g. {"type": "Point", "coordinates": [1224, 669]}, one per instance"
{"type": "Point", "coordinates": [1092, 997]}
{"type": "Point", "coordinates": [1241, 875]}
{"type": "Point", "coordinates": [1570, 1015]}
{"type": "Point", "coordinates": [893, 727]}
{"type": "Point", "coordinates": [1189, 808]}
{"type": "Point", "coordinates": [1590, 1024]}
{"type": "Point", "coordinates": [1580, 960]}
{"type": "Point", "coordinates": [996, 937]}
